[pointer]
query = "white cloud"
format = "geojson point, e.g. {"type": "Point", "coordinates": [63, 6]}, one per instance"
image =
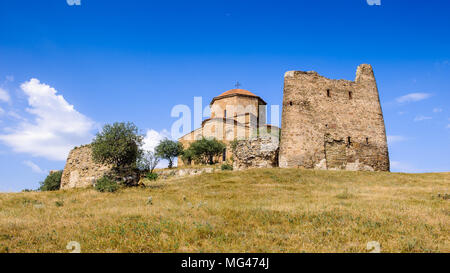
{"type": "Point", "coordinates": [4, 95]}
{"type": "Point", "coordinates": [394, 139]}
{"type": "Point", "coordinates": [395, 164]}
{"type": "Point", "coordinates": [15, 115]}
{"type": "Point", "coordinates": [422, 118]}
{"type": "Point", "coordinates": [57, 127]}
{"type": "Point", "coordinates": [1, 111]}
{"type": "Point", "coordinates": [35, 168]}
{"type": "Point", "coordinates": [152, 139]}
{"type": "Point", "coordinates": [413, 97]}
{"type": "Point", "coordinates": [398, 166]}
{"type": "Point", "coordinates": [437, 110]}
{"type": "Point", "coordinates": [442, 64]}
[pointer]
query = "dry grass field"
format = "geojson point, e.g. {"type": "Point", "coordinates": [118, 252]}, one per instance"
{"type": "Point", "coordinates": [265, 210]}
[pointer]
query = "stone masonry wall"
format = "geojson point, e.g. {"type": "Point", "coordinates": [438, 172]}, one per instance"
{"type": "Point", "coordinates": [80, 170]}
{"type": "Point", "coordinates": [258, 152]}
{"type": "Point", "coordinates": [333, 124]}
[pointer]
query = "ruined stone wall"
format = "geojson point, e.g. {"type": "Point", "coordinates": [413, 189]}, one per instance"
{"type": "Point", "coordinates": [258, 152]}
{"type": "Point", "coordinates": [333, 124]}
{"type": "Point", "coordinates": [80, 170]}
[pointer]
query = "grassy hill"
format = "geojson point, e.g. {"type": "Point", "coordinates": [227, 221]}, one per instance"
{"type": "Point", "coordinates": [264, 210]}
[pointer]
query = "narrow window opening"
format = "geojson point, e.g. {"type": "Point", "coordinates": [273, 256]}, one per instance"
{"type": "Point", "coordinates": [290, 103]}
{"type": "Point", "coordinates": [349, 140]}
{"type": "Point", "coordinates": [224, 155]}
{"type": "Point", "coordinates": [350, 95]}
{"type": "Point", "coordinates": [367, 140]}
{"type": "Point", "coordinates": [328, 93]}
{"type": "Point", "coordinates": [225, 113]}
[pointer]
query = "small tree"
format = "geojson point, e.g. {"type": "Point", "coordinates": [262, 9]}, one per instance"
{"type": "Point", "coordinates": [52, 182]}
{"type": "Point", "coordinates": [204, 150]}
{"type": "Point", "coordinates": [169, 150]}
{"type": "Point", "coordinates": [148, 161]}
{"type": "Point", "coordinates": [118, 144]}
{"type": "Point", "coordinates": [187, 156]}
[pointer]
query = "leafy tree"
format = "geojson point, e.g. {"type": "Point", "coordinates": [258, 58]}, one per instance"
{"type": "Point", "coordinates": [187, 156]}
{"type": "Point", "coordinates": [118, 144]}
{"type": "Point", "coordinates": [169, 150]}
{"type": "Point", "coordinates": [148, 161]}
{"type": "Point", "coordinates": [204, 150]}
{"type": "Point", "coordinates": [52, 182]}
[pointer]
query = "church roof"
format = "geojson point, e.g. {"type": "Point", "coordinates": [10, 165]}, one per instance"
{"type": "Point", "coordinates": [236, 92]}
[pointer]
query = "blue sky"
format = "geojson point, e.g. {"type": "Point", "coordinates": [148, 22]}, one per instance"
{"type": "Point", "coordinates": [134, 60]}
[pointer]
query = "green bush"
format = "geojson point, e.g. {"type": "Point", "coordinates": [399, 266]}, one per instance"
{"type": "Point", "coordinates": [151, 176]}
{"type": "Point", "coordinates": [226, 167]}
{"type": "Point", "coordinates": [52, 182]}
{"type": "Point", "coordinates": [205, 149]}
{"type": "Point", "coordinates": [106, 184]}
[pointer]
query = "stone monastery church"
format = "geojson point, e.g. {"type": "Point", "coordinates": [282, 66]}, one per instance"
{"type": "Point", "coordinates": [235, 115]}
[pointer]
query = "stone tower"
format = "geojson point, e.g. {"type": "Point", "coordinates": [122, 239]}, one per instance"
{"type": "Point", "coordinates": [333, 124]}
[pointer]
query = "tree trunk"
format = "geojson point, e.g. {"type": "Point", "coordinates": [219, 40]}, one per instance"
{"type": "Point", "coordinates": [211, 160]}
